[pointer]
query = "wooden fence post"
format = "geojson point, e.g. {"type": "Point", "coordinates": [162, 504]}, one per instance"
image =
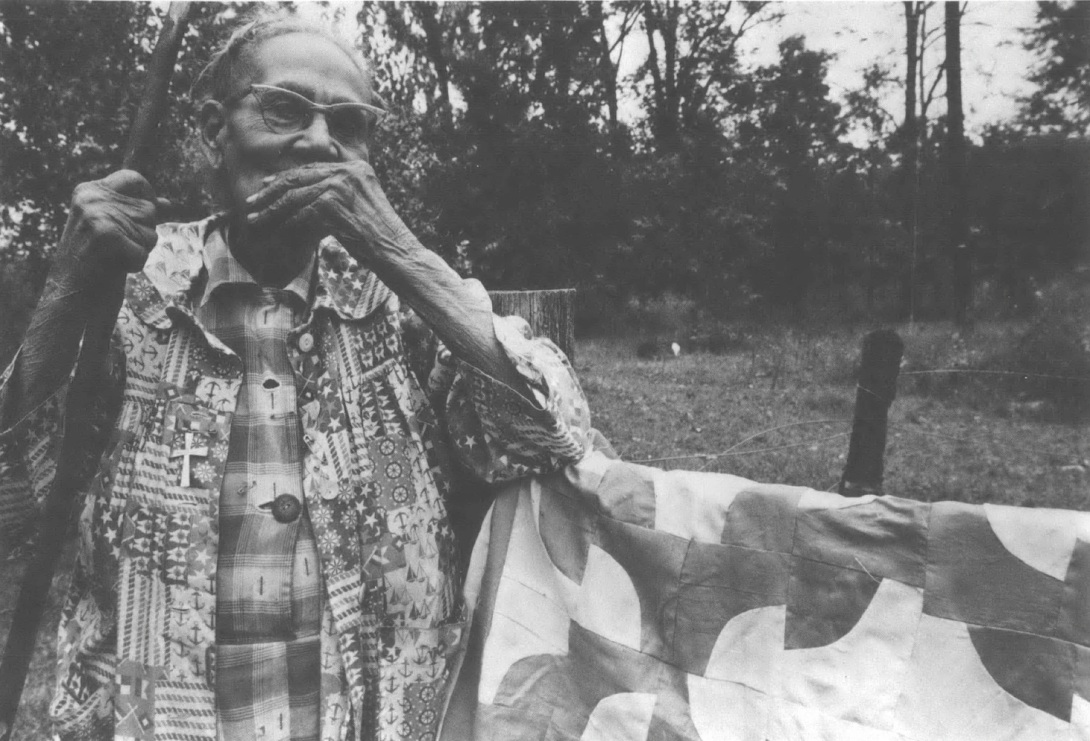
{"type": "Point", "coordinates": [880, 365]}
{"type": "Point", "coordinates": [551, 313]}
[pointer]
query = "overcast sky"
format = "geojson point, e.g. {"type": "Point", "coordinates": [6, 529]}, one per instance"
{"type": "Point", "coordinates": [994, 62]}
{"type": "Point", "coordinates": [859, 33]}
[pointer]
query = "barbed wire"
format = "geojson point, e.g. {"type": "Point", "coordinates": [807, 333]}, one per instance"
{"type": "Point", "coordinates": [743, 441]}
{"type": "Point", "coordinates": [709, 458]}
{"type": "Point", "coordinates": [1062, 451]}
{"type": "Point", "coordinates": [812, 441]}
{"type": "Point", "coordinates": [875, 394]}
{"type": "Point", "coordinates": [1020, 374]}
{"type": "Point", "coordinates": [972, 440]}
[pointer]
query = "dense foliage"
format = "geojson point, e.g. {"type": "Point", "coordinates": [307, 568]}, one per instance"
{"type": "Point", "coordinates": [1061, 40]}
{"type": "Point", "coordinates": [507, 154]}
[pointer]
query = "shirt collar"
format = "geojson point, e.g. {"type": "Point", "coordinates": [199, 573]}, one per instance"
{"type": "Point", "coordinates": [178, 271]}
{"type": "Point", "coordinates": [224, 269]}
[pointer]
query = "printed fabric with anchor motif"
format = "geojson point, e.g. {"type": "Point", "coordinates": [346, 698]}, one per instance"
{"type": "Point", "coordinates": [138, 655]}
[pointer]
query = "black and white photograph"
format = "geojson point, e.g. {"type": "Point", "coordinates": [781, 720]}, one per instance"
{"type": "Point", "coordinates": [545, 370]}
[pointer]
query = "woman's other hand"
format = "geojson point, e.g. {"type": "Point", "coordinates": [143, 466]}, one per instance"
{"type": "Point", "coordinates": [342, 199]}
{"type": "Point", "coordinates": [110, 231]}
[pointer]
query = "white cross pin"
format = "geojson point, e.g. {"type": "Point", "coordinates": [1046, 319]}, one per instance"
{"type": "Point", "coordinates": [186, 454]}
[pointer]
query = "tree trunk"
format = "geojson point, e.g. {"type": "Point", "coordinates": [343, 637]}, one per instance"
{"type": "Point", "coordinates": [910, 129]}
{"type": "Point", "coordinates": [958, 221]}
{"type": "Point", "coordinates": [652, 26]}
{"type": "Point", "coordinates": [911, 152]}
{"type": "Point", "coordinates": [672, 118]}
{"type": "Point", "coordinates": [669, 45]}
{"type": "Point", "coordinates": [608, 73]}
{"type": "Point", "coordinates": [556, 54]}
{"type": "Point", "coordinates": [429, 15]}
{"type": "Point", "coordinates": [665, 119]}
{"type": "Point", "coordinates": [550, 313]}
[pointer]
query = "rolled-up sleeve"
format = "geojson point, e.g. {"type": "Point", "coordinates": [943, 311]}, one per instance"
{"type": "Point", "coordinates": [503, 433]}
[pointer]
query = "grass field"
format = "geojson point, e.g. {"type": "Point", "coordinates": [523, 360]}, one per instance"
{"type": "Point", "coordinates": [779, 407]}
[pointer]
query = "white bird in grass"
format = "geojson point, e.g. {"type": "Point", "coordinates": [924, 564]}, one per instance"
{"type": "Point", "coordinates": [676, 348]}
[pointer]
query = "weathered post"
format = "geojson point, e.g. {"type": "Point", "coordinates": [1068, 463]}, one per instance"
{"type": "Point", "coordinates": [880, 365]}
{"type": "Point", "coordinates": [551, 313]}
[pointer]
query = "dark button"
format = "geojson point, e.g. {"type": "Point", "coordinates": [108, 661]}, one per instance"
{"type": "Point", "coordinates": [285, 508]}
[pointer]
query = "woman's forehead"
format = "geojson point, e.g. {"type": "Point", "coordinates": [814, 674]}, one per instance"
{"type": "Point", "coordinates": [309, 64]}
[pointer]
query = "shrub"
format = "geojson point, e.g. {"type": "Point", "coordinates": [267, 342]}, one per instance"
{"type": "Point", "coordinates": [1055, 351]}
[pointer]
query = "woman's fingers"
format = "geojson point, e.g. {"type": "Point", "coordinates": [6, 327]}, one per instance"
{"type": "Point", "coordinates": [286, 205]}
{"type": "Point", "coordinates": [341, 199]}
{"type": "Point", "coordinates": [301, 216]}
{"type": "Point", "coordinates": [301, 177]}
{"type": "Point", "coordinates": [131, 255]}
{"type": "Point", "coordinates": [129, 183]}
{"type": "Point", "coordinates": [287, 181]}
{"type": "Point", "coordinates": [129, 249]}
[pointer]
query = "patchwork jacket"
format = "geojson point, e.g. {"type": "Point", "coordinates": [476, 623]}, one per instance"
{"type": "Point", "coordinates": [136, 655]}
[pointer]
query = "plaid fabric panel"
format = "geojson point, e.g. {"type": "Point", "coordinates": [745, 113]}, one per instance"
{"type": "Point", "coordinates": [189, 456]}
{"type": "Point", "coordinates": [268, 607]}
{"type": "Point", "coordinates": [269, 690]}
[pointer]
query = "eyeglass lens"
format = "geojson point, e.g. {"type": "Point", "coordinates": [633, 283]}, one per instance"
{"type": "Point", "coordinates": [286, 112]}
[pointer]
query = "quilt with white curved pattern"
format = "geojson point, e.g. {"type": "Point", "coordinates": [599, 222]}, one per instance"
{"type": "Point", "coordinates": [620, 602]}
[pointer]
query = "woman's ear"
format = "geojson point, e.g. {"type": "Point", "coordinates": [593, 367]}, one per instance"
{"type": "Point", "coordinates": [212, 119]}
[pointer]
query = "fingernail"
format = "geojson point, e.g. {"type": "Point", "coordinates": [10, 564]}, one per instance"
{"type": "Point", "coordinates": [269, 179]}
{"type": "Point", "coordinates": [252, 198]}
{"type": "Point", "coordinates": [251, 217]}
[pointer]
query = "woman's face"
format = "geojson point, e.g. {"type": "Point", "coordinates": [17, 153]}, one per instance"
{"type": "Point", "coordinates": [304, 63]}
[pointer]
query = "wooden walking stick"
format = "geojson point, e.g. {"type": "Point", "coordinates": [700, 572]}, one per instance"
{"type": "Point", "coordinates": [85, 422]}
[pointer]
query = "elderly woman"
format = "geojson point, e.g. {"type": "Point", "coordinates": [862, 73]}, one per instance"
{"type": "Point", "coordinates": [265, 551]}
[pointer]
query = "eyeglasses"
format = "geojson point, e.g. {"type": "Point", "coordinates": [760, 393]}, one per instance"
{"type": "Point", "coordinates": [288, 112]}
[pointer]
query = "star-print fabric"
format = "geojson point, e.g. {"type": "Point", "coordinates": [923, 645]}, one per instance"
{"type": "Point", "coordinates": [618, 601]}
{"type": "Point", "coordinates": [137, 653]}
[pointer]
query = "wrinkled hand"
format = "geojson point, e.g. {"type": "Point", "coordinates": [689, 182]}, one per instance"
{"type": "Point", "coordinates": [342, 199]}
{"type": "Point", "coordinates": [110, 231]}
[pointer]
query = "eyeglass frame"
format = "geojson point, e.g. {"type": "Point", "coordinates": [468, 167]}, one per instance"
{"type": "Point", "coordinates": [380, 113]}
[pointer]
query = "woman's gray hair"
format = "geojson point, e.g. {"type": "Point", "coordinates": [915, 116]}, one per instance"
{"type": "Point", "coordinates": [264, 23]}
